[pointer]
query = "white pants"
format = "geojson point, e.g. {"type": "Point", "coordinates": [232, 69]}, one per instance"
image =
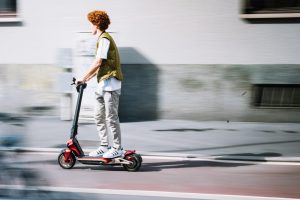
{"type": "Point", "coordinates": [106, 117]}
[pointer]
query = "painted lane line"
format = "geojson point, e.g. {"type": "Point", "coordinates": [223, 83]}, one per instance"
{"type": "Point", "coordinates": [55, 151]}
{"type": "Point", "coordinates": [144, 193]}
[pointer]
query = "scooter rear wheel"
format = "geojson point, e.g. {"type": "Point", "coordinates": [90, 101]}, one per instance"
{"type": "Point", "coordinates": [66, 164]}
{"type": "Point", "coordinates": [136, 160]}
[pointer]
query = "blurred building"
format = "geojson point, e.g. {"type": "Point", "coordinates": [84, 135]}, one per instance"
{"type": "Point", "coordinates": [182, 59]}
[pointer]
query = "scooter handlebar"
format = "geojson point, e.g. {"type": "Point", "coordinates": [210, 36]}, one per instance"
{"type": "Point", "coordinates": [78, 84]}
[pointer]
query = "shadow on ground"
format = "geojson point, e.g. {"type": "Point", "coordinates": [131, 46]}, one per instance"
{"type": "Point", "coordinates": [233, 146]}
{"type": "Point", "coordinates": [248, 156]}
{"type": "Point", "coordinates": [159, 166]}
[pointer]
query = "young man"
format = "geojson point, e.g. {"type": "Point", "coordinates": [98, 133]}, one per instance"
{"type": "Point", "coordinates": [107, 68]}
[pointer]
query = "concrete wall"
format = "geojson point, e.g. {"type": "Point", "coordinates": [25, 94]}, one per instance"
{"type": "Point", "coordinates": [164, 31]}
{"type": "Point", "coordinates": [29, 89]}
{"type": "Point", "coordinates": [203, 92]}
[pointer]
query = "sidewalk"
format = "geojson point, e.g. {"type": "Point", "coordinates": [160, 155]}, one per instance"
{"type": "Point", "coordinates": [219, 140]}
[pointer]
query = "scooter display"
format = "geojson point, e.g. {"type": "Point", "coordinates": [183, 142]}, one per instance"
{"type": "Point", "coordinates": [130, 160]}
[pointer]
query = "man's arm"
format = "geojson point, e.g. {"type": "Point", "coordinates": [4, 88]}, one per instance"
{"type": "Point", "coordinates": [92, 71]}
{"type": "Point", "coordinates": [92, 76]}
{"type": "Point", "coordinates": [101, 54]}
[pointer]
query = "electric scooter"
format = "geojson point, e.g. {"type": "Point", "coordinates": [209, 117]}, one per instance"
{"type": "Point", "coordinates": [130, 160]}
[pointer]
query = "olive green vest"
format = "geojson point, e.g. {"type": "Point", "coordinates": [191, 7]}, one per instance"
{"type": "Point", "coordinates": [110, 67]}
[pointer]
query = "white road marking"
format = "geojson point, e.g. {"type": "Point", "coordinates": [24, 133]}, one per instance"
{"type": "Point", "coordinates": [144, 193]}
{"type": "Point", "coordinates": [181, 157]}
{"type": "Point", "coordinates": [214, 159]}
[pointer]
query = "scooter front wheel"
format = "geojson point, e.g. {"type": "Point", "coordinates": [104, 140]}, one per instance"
{"type": "Point", "coordinates": [136, 160]}
{"type": "Point", "coordinates": [66, 164]}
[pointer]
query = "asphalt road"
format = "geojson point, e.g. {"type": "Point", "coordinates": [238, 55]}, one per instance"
{"type": "Point", "coordinates": [166, 178]}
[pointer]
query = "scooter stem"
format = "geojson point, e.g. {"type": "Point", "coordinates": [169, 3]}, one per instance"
{"type": "Point", "coordinates": [74, 129]}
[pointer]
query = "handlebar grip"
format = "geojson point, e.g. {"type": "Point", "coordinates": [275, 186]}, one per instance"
{"type": "Point", "coordinates": [80, 85]}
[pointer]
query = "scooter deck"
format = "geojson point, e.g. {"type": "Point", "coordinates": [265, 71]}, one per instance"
{"type": "Point", "coordinates": [87, 157]}
{"type": "Point", "coordinates": [102, 161]}
{"type": "Point", "coordinates": [94, 160]}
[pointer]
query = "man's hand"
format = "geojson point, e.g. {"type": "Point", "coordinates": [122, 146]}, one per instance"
{"type": "Point", "coordinates": [81, 81]}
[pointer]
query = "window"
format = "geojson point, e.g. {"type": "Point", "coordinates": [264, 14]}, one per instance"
{"type": "Point", "coordinates": [8, 8]}
{"type": "Point", "coordinates": [270, 9]}
{"type": "Point", "coordinates": [8, 11]}
{"type": "Point", "coordinates": [275, 95]}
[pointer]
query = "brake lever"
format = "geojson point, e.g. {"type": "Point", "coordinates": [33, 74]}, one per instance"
{"type": "Point", "coordinates": [74, 81]}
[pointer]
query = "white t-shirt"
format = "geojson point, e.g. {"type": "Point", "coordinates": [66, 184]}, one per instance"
{"type": "Point", "coordinates": [111, 84]}
{"type": "Point", "coordinates": [103, 48]}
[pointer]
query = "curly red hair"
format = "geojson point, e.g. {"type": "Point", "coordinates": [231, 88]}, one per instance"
{"type": "Point", "coordinates": [99, 18]}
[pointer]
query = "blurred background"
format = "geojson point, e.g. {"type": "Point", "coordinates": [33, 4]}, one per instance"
{"type": "Point", "coordinates": [197, 60]}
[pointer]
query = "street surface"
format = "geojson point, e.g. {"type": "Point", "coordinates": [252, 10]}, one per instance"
{"type": "Point", "coordinates": [179, 176]}
{"type": "Point", "coordinates": [182, 160]}
{"type": "Point", "coordinates": [178, 137]}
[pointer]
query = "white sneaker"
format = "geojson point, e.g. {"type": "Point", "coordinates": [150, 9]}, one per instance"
{"type": "Point", "coordinates": [99, 152]}
{"type": "Point", "coordinates": [113, 153]}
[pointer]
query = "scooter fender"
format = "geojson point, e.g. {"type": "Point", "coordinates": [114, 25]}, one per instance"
{"type": "Point", "coordinates": [72, 147]}
{"type": "Point", "coordinates": [129, 152]}
{"type": "Point", "coordinates": [67, 153]}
